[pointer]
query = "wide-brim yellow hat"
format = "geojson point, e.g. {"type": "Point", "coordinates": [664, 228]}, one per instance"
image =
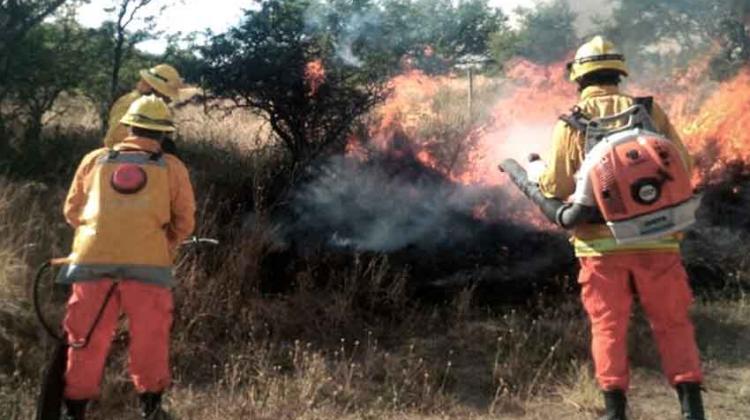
{"type": "Point", "coordinates": [149, 112]}
{"type": "Point", "coordinates": [164, 79]}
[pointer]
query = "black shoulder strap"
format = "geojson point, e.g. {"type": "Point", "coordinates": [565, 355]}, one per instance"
{"type": "Point", "coordinates": [576, 119]}
{"type": "Point", "coordinates": [153, 156]}
{"type": "Point", "coordinates": [646, 101]}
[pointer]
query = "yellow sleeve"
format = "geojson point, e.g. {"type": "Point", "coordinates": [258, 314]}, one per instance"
{"type": "Point", "coordinates": [182, 200]}
{"type": "Point", "coordinates": [662, 123]}
{"type": "Point", "coordinates": [78, 192]}
{"type": "Point", "coordinates": [558, 179]}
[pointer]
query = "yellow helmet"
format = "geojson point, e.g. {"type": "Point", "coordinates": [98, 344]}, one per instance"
{"type": "Point", "coordinates": [149, 112]}
{"type": "Point", "coordinates": [597, 54]}
{"type": "Point", "coordinates": [164, 79]}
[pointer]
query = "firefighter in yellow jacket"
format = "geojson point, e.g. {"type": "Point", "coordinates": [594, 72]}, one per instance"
{"type": "Point", "coordinates": [131, 205]}
{"type": "Point", "coordinates": [162, 80]}
{"type": "Point", "coordinates": [612, 273]}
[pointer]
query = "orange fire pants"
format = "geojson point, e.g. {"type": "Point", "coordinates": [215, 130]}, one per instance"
{"type": "Point", "coordinates": [608, 284]}
{"type": "Point", "coordinates": [148, 309]}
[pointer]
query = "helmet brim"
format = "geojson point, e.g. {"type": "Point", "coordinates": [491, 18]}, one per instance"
{"type": "Point", "coordinates": [579, 70]}
{"type": "Point", "coordinates": [148, 124]}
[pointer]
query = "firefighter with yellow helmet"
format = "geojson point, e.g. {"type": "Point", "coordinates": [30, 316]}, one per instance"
{"type": "Point", "coordinates": [131, 205]}
{"type": "Point", "coordinates": [161, 80]}
{"type": "Point", "coordinates": [611, 272]}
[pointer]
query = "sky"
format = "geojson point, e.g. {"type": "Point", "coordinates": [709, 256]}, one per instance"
{"type": "Point", "coordinates": [217, 15]}
{"type": "Point", "coordinates": [182, 16]}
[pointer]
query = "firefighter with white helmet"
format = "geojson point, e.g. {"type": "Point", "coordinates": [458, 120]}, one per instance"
{"type": "Point", "coordinates": [612, 271]}
{"type": "Point", "coordinates": [162, 80]}
{"type": "Point", "coordinates": [131, 205]}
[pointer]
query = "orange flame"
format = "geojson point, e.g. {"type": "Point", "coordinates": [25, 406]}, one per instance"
{"type": "Point", "coordinates": [712, 118]}
{"type": "Point", "coordinates": [521, 121]}
{"type": "Point", "coordinates": [315, 75]}
{"type": "Point", "coordinates": [406, 108]}
{"type": "Point", "coordinates": [718, 134]}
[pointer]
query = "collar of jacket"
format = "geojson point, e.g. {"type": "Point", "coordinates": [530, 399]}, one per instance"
{"type": "Point", "coordinates": [139, 143]}
{"type": "Point", "coordinates": [599, 90]}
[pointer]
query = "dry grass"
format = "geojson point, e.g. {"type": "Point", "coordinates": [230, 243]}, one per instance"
{"type": "Point", "coordinates": [352, 347]}
{"type": "Point", "coordinates": [339, 337]}
{"type": "Point", "coordinates": [241, 127]}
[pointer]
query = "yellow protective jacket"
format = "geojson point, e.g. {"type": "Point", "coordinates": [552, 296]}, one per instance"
{"type": "Point", "coordinates": [116, 131]}
{"type": "Point", "coordinates": [567, 154]}
{"type": "Point", "coordinates": [131, 236]}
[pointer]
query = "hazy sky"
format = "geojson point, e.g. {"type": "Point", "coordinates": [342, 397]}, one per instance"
{"type": "Point", "coordinates": [191, 15]}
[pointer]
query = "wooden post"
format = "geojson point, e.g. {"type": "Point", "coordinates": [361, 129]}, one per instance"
{"type": "Point", "coordinates": [471, 91]}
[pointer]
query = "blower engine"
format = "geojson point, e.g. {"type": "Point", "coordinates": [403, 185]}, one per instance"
{"type": "Point", "coordinates": [633, 179]}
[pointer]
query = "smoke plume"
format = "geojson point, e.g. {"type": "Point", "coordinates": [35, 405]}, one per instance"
{"type": "Point", "coordinates": [388, 204]}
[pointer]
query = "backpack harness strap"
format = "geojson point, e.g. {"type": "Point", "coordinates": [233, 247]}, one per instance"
{"type": "Point", "coordinates": [113, 154]}
{"type": "Point", "coordinates": [646, 101]}
{"type": "Point", "coordinates": [577, 119]}
{"type": "Point", "coordinates": [580, 122]}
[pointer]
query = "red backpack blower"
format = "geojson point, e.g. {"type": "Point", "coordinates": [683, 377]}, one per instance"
{"type": "Point", "coordinates": [632, 178]}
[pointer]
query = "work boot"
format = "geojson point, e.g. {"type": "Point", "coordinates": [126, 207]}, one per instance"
{"type": "Point", "coordinates": [691, 400]}
{"type": "Point", "coordinates": [74, 409]}
{"type": "Point", "coordinates": [614, 403]}
{"type": "Point", "coordinates": [151, 407]}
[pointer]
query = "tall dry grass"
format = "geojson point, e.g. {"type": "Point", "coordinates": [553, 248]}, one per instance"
{"type": "Point", "coordinates": [264, 330]}
{"type": "Point", "coordinates": [344, 339]}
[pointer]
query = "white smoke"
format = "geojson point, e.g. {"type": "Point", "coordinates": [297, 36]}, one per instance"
{"type": "Point", "coordinates": [365, 27]}
{"type": "Point", "coordinates": [369, 207]}
{"type": "Point", "coordinates": [357, 26]}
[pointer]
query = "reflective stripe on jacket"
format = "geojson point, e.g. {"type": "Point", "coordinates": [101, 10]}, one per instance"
{"type": "Point", "coordinates": [117, 132]}
{"type": "Point", "coordinates": [129, 236]}
{"type": "Point", "coordinates": [567, 154]}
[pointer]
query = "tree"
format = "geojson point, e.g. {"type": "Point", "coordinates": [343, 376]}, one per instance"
{"type": "Point", "coordinates": [674, 32]}
{"type": "Point", "coordinates": [282, 62]}
{"type": "Point", "coordinates": [103, 84]}
{"type": "Point", "coordinates": [546, 34]}
{"type": "Point", "coordinates": [18, 17]}
{"type": "Point", "coordinates": [435, 33]}
{"type": "Point", "coordinates": [181, 52]}
{"type": "Point", "coordinates": [312, 67]}
{"type": "Point", "coordinates": [461, 28]}
{"type": "Point", "coordinates": [114, 53]}
{"type": "Point", "coordinates": [48, 65]}
{"type": "Point", "coordinates": [123, 40]}
{"type": "Point", "coordinates": [42, 65]}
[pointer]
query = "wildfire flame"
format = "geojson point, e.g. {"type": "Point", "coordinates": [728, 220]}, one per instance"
{"type": "Point", "coordinates": [711, 118]}
{"type": "Point", "coordinates": [521, 121]}
{"type": "Point", "coordinates": [406, 108]}
{"type": "Point", "coordinates": [315, 75]}
{"type": "Point", "coordinates": [717, 134]}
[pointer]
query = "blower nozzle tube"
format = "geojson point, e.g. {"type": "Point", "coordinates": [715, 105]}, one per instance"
{"type": "Point", "coordinates": [566, 215]}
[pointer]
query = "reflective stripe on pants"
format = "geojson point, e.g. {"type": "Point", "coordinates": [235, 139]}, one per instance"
{"type": "Point", "coordinates": [606, 246]}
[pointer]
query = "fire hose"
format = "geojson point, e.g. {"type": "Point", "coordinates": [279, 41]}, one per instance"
{"type": "Point", "coordinates": [50, 399]}
{"type": "Point", "coordinates": [565, 215]}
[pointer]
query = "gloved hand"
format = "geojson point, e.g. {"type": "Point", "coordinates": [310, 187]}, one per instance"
{"type": "Point", "coordinates": [535, 168]}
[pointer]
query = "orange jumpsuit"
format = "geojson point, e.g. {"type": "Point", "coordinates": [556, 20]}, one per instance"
{"type": "Point", "coordinates": [145, 300]}
{"type": "Point", "coordinates": [611, 273]}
